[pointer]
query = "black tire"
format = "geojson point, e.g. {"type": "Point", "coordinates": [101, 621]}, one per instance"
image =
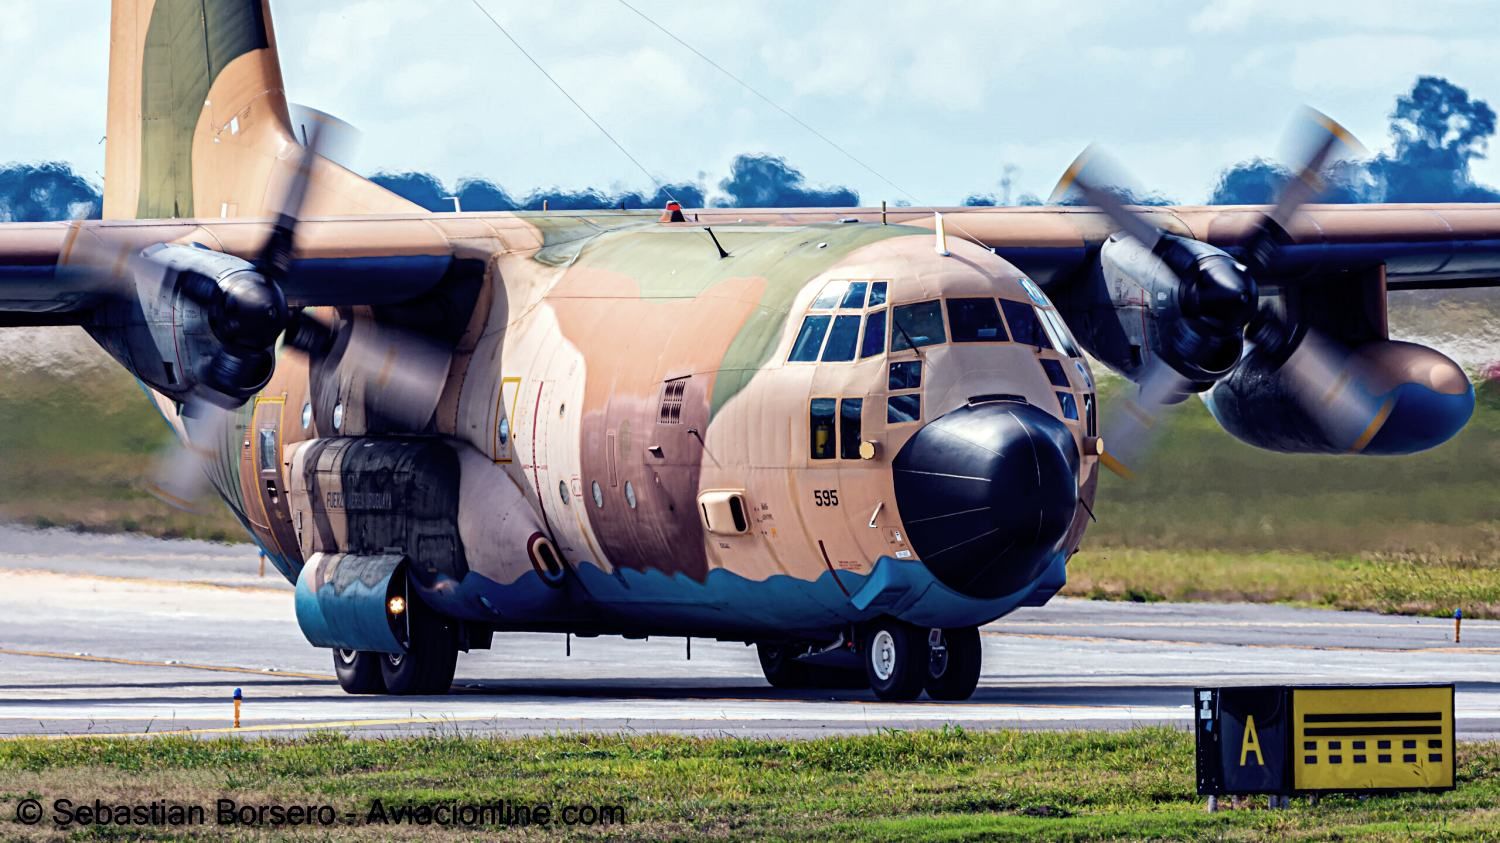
{"type": "Point", "coordinates": [781, 669]}
{"type": "Point", "coordinates": [953, 669]}
{"type": "Point", "coordinates": [430, 659]}
{"type": "Point", "coordinates": [358, 671]}
{"type": "Point", "coordinates": [895, 659]}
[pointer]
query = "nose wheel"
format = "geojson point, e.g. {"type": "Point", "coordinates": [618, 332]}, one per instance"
{"type": "Point", "coordinates": [953, 663]}
{"type": "Point", "coordinates": [901, 660]}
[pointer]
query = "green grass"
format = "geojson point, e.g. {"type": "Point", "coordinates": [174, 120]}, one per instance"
{"type": "Point", "coordinates": [76, 452]}
{"type": "Point", "coordinates": [946, 784]}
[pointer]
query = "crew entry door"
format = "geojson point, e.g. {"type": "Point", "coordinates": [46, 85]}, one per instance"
{"type": "Point", "coordinates": [270, 492]}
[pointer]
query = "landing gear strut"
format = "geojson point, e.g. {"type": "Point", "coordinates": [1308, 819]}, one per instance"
{"type": "Point", "coordinates": [782, 669]}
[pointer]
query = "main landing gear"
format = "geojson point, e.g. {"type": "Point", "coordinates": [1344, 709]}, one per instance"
{"type": "Point", "coordinates": [897, 660]}
{"type": "Point", "coordinates": [425, 668]}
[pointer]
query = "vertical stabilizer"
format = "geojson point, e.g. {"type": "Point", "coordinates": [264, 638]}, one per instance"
{"type": "Point", "coordinates": [198, 122]}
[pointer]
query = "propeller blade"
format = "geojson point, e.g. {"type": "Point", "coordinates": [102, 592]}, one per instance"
{"type": "Point", "coordinates": [1317, 139]}
{"type": "Point", "coordinates": [1092, 174]}
{"type": "Point", "coordinates": [181, 475]}
{"type": "Point", "coordinates": [318, 128]}
{"type": "Point", "coordinates": [1333, 388]}
{"type": "Point", "coordinates": [1132, 431]}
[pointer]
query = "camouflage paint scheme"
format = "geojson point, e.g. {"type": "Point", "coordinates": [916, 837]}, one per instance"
{"type": "Point", "coordinates": [576, 324]}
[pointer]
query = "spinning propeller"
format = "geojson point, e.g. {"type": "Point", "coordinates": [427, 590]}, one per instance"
{"type": "Point", "coordinates": [1218, 308]}
{"type": "Point", "coordinates": [246, 310]}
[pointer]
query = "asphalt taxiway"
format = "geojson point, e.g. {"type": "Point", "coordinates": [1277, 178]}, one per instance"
{"type": "Point", "coordinates": [127, 635]}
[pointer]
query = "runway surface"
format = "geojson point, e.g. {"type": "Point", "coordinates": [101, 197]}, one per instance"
{"type": "Point", "coordinates": [126, 635]}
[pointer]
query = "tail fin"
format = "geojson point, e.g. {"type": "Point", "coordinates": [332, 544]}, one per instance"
{"type": "Point", "coordinates": [198, 122]}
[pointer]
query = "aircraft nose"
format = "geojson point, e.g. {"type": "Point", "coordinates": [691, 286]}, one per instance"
{"type": "Point", "coordinates": [986, 493]}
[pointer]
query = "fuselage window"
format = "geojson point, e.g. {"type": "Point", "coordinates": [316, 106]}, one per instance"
{"type": "Point", "coordinates": [906, 374]}
{"type": "Point", "coordinates": [877, 293]}
{"type": "Point", "coordinates": [1024, 326]}
{"type": "Point", "coordinates": [1069, 405]}
{"type": "Point", "coordinates": [562, 490]}
{"type": "Point", "coordinates": [820, 429]}
{"type": "Point", "coordinates": [1055, 373]}
{"type": "Point", "coordinates": [842, 339]}
{"type": "Point", "coordinates": [831, 295]}
{"type": "Point", "coordinates": [810, 339]}
{"type": "Point", "coordinates": [874, 341]}
{"type": "Point", "coordinates": [903, 408]}
{"type": "Point", "coordinates": [975, 320]}
{"type": "Point", "coordinates": [849, 427]}
{"type": "Point", "coordinates": [855, 297]}
{"type": "Point", "coordinates": [917, 325]}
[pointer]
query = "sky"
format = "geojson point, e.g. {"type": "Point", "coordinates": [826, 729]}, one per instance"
{"type": "Point", "coordinates": [937, 97]}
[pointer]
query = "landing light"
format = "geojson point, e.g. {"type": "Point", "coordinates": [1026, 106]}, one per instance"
{"type": "Point", "coordinates": [397, 605]}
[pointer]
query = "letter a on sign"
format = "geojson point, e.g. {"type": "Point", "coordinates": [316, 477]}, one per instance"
{"type": "Point", "coordinates": [1251, 743]}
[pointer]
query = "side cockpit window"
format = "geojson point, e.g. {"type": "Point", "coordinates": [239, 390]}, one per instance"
{"type": "Point", "coordinates": [1024, 326]}
{"type": "Point", "coordinates": [874, 341]}
{"type": "Point", "coordinates": [848, 330]}
{"type": "Point", "coordinates": [809, 339]}
{"type": "Point", "coordinates": [841, 339]}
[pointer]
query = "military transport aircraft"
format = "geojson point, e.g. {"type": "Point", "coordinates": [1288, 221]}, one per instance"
{"type": "Point", "coordinates": [849, 436]}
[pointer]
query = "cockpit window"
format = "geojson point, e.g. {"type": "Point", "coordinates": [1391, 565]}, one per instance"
{"type": "Point", "coordinates": [877, 293]}
{"type": "Point", "coordinates": [1069, 406]}
{"type": "Point", "coordinates": [874, 341]}
{"type": "Point", "coordinates": [975, 320]}
{"type": "Point", "coordinates": [809, 339]}
{"type": "Point", "coordinates": [1024, 326]}
{"type": "Point", "coordinates": [855, 297]}
{"type": "Point", "coordinates": [831, 295]}
{"type": "Point", "coordinates": [841, 339]}
{"type": "Point", "coordinates": [900, 409]}
{"type": "Point", "coordinates": [917, 325]}
{"type": "Point", "coordinates": [1059, 333]}
{"type": "Point", "coordinates": [905, 374]}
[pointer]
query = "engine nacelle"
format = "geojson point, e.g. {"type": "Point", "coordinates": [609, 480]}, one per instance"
{"type": "Point", "coordinates": [1418, 399]}
{"type": "Point", "coordinates": [1184, 302]}
{"type": "Point", "coordinates": [166, 338]}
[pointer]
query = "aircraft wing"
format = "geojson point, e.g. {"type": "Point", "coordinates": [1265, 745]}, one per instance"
{"type": "Point", "coordinates": [1422, 246]}
{"type": "Point", "coordinates": [383, 259]}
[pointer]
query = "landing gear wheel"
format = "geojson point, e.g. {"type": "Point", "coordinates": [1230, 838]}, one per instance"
{"type": "Point", "coordinates": [358, 671]}
{"type": "Point", "coordinates": [429, 661]}
{"type": "Point", "coordinates": [895, 658]}
{"type": "Point", "coordinates": [781, 669]}
{"type": "Point", "coordinates": [953, 664]}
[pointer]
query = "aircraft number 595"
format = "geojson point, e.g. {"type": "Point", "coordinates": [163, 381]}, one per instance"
{"type": "Point", "coordinates": [826, 497]}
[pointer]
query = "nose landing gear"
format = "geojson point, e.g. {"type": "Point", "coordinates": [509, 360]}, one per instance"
{"type": "Point", "coordinates": [901, 660]}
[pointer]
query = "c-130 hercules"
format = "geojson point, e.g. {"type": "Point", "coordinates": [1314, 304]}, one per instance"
{"type": "Point", "coordinates": [841, 434]}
